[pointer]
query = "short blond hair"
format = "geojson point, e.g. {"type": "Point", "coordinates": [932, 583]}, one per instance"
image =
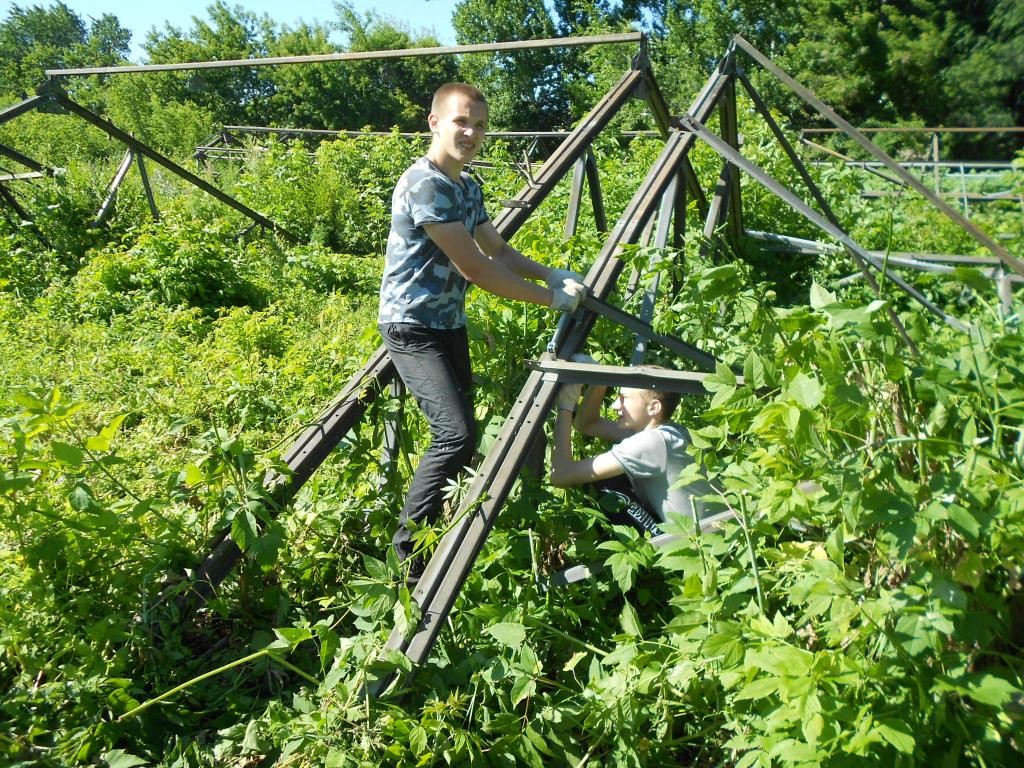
{"type": "Point", "coordinates": [470, 91]}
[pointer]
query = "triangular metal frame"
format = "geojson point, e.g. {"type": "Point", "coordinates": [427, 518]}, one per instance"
{"type": "Point", "coordinates": [657, 207]}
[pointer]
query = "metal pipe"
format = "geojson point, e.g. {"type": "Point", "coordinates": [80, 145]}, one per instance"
{"type": "Point", "coordinates": [1017, 265]}
{"type": "Point", "coordinates": [796, 203]}
{"type": "Point", "coordinates": [516, 45]}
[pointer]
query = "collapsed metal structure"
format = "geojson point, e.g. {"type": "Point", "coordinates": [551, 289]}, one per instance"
{"type": "Point", "coordinates": [655, 214]}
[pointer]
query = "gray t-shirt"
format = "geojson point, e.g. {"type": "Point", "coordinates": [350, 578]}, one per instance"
{"type": "Point", "coordinates": [653, 460]}
{"type": "Point", "coordinates": [420, 284]}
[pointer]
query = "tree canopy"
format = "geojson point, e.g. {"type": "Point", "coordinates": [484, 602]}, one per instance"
{"type": "Point", "coordinates": [878, 62]}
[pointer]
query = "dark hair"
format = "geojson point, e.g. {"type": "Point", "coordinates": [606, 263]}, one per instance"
{"type": "Point", "coordinates": [442, 93]}
{"type": "Point", "coordinates": [668, 400]}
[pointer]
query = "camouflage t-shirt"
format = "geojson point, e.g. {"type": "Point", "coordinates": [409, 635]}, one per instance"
{"type": "Point", "coordinates": [420, 285]}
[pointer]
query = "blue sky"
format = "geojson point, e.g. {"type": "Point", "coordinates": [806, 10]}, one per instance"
{"type": "Point", "coordinates": [141, 15]}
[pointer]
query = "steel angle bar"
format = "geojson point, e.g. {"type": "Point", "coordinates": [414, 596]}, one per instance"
{"type": "Point", "coordinates": [148, 189]}
{"type": "Point", "coordinates": [694, 189]}
{"type": "Point", "coordinates": [943, 269]}
{"type": "Point", "coordinates": [457, 551]}
{"type": "Point", "coordinates": [23, 176]}
{"type": "Point", "coordinates": [28, 162]}
{"type": "Point", "coordinates": [317, 442]}
{"type": "Point", "coordinates": [1017, 265]}
{"type": "Point", "coordinates": [594, 187]}
{"type": "Point", "coordinates": [8, 197]}
{"type": "Point", "coordinates": [516, 45]}
{"type": "Point", "coordinates": [705, 102]}
{"type": "Point", "coordinates": [719, 205]}
{"type": "Point", "coordinates": [665, 211]}
{"type": "Point", "coordinates": [715, 85]}
{"type": "Point", "coordinates": [642, 328]}
{"type": "Point", "coordinates": [816, 218]}
{"type": "Point", "coordinates": [762, 108]}
{"type": "Point", "coordinates": [568, 152]}
{"type": "Point", "coordinates": [730, 133]}
{"type": "Point", "coordinates": [572, 212]}
{"type": "Point", "coordinates": [656, 101]}
{"type": "Point", "coordinates": [304, 457]}
{"type": "Point", "coordinates": [130, 141]}
{"type": "Point", "coordinates": [636, 376]}
{"type": "Point", "coordinates": [803, 245]}
{"type": "Point", "coordinates": [15, 110]}
{"type": "Point", "coordinates": [813, 188]}
{"type": "Point", "coordinates": [115, 184]}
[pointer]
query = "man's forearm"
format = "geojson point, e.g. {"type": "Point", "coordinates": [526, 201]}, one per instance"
{"type": "Point", "coordinates": [521, 265]}
{"type": "Point", "coordinates": [589, 410]}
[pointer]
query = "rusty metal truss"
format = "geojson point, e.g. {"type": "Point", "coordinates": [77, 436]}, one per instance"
{"type": "Point", "coordinates": [655, 214]}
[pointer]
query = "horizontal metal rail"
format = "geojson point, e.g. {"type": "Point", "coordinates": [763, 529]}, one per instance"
{"type": "Point", "coordinates": [398, 53]}
{"type": "Point", "coordinates": [414, 134]}
{"type": "Point", "coordinates": [637, 376]}
{"type": "Point", "coordinates": [638, 326]}
{"type": "Point", "coordinates": [802, 245]}
{"type": "Point", "coordinates": [23, 176]}
{"type": "Point", "coordinates": [919, 129]}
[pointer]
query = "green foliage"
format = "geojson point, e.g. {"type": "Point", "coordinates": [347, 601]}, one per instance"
{"type": "Point", "coordinates": [186, 264]}
{"type": "Point", "coordinates": [36, 38]}
{"type": "Point", "coordinates": [863, 608]}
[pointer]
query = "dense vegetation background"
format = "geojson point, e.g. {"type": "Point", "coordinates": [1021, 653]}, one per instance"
{"type": "Point", "coordinates": [867, 608]}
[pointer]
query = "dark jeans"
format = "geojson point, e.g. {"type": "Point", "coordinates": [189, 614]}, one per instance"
{"type": "Point", "coordinates": [434, 364]}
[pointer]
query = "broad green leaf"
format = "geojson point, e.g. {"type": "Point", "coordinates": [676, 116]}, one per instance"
{"type": "Point", "coordinates": [964, 522]}
{"type": "Point", "coordinates": [793, 751]}
{"type": "Point", "coordinates": [805, 391]}
{"type": "Point", "coordinates": [992, 690]}
{"type": "Point", "coordinates": [243, 529]}
{"type": "Point", "coordinates": [917, 633]}
{"type": "Point", "coordinates": [524, 687]}
{"type": "Point", "coordinates": [79, 498]}
{"type": "Point", "coordinates": [71, 455]}
{"type": "Point", "coordinates": [812, 727]}
{"type": "Point", "coordinates": [538, 741]}
{"type": "Point", "coordinates": [293, 635]}
{"type": "Point", "coordinates": [190, 475]}
{"type": "Point", "coordinates": [630, 621]}
{"type": "Point", "coordinates": [118, 758]}
{"type": "Point", "coordinates": [898, 734]}
{"type": "Point", "coordinates": [508, 633]}
{"type": "Point", "coordinates": [758, 689]}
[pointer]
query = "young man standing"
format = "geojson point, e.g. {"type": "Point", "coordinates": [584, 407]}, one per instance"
{"type": "Point", "coordinates": [648, 449]}
{"type": "Point", "coordinates": [441, 240]}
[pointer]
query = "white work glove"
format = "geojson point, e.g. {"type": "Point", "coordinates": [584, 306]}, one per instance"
{"type": "Point", "coordinates": [566, 279]}
{"type": "Point", "coordinates": [568, 297]}
{"type": "Point", "coordinates": [569, 397]}
{"type": "Point", "coordinates": [556, 277]}
{"type": "Point", "coordinates": [583, 357]}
